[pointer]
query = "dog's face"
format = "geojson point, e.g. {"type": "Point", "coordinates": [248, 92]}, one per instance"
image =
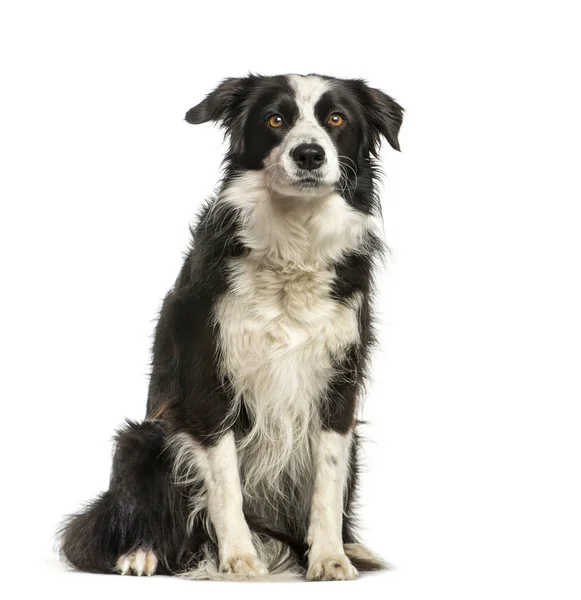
{"type": "Point", "coordinates": [307, 133]}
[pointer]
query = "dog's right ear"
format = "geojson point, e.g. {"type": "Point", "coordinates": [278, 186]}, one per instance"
{"type": "Point", "coordinates": [222, 104]}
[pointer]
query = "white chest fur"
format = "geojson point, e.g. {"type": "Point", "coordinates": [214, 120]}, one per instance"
{"type": "Point", "coordinates": [280, 329]}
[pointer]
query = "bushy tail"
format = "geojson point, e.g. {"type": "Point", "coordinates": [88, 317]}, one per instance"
{"type": "Point", "coordinates": [364, 559]}
{"type": "Point", "coordinates": [88, 539]}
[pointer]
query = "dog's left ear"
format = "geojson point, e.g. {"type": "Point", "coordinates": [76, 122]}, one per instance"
{"type": "Point", "coordinates": [384, 117]}
{"type": "Point", "coordinates": [221, 104]}
{"type": "Point", "coordinates": [388, 116]}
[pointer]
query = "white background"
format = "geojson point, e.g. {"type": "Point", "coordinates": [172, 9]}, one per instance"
{"type": "Point", "coordinates": [472, 485]}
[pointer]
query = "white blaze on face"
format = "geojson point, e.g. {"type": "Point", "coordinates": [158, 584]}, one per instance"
{"type": "Point", "coordinates": [283, 174]}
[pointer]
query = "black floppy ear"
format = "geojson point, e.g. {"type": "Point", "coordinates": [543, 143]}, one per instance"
{"type": "Point", "coordinates": [388, 115]}
{"type": "Point", "coordinates": [384, 117]}
{"type": "Point", "coordinates": [221, 104]}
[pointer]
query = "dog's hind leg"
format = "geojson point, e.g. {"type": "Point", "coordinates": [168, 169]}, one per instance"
{"type": "Point", "coordinates": [139, 525]}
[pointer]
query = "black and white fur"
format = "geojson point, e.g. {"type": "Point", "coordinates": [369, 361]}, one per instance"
{"type": "Point", "coordinates": [246, 463]}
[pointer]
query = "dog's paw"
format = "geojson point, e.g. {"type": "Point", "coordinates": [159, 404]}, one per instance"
{"type": "Point", "coordinates": [244, 566]}
{"type": "Point", "coordinates": [329, 566]}
{"type": "Point", "coordinates": [140, 562]}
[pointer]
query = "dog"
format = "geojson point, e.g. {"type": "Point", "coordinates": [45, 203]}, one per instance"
{"type": "Point", "coordinates": [245, 466]}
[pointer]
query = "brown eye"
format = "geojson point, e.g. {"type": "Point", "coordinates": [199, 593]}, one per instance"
{"type": "Point", "coordinates": [275, 121]}
{"type": "Point", "coordinates": [336, 120]}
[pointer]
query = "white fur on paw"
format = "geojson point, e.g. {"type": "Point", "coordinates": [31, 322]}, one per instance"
{"type": "Point", "coordinates": [245, 566]}
{"type": "Point", "coordinates": [330, 567]}
{"type": "Point", "coordinates": [140, 562]}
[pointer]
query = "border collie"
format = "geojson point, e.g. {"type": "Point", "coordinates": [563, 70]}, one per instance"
{"type": "Point", "coordinates": [246, 463]}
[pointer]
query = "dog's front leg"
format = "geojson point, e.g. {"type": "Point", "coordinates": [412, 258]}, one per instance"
{"type": "Point", "coordinates": [218, 465]}
{"type": "Point", "coordinates": [331, 462]}
{"type": "Point", "coordinates": [327, 558]}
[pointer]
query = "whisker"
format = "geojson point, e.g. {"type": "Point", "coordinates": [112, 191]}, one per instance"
{"type": "Point", "coordinates": [343, 165]}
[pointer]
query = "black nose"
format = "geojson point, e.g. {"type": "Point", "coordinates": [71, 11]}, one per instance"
{"type": "Point", "coordinates": [309, 156]}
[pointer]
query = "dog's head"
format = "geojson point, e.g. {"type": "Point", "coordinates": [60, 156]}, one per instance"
{"type": "Point", "coordinates": [304, 132]}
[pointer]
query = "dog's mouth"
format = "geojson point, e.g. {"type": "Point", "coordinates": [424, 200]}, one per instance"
{"type": "Point", "coordinates": [311, 180]}
{"type": "Point", "coordinates": [306, 185]}
{"type": "Point", "coordinates": [299, 182]}
{"type": "Point", "coordinates": [309, 183]}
